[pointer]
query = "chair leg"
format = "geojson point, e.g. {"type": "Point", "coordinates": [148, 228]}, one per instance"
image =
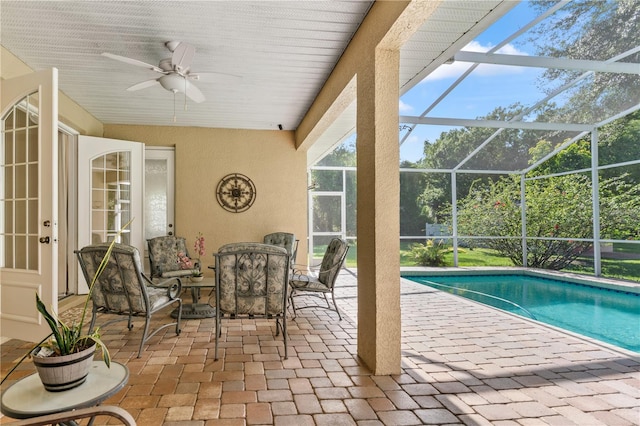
{"type": "Point", "coordinates": [147, 322]}
{"type": "Point", "coordinates": [333, 296]}
{"type": "Point", "coordinates": [293, 305]}
{"type": "Point", "coordinates": [215, 354]}
{"type": "Point", "coordinates": [178, 329]}
{"type": "Point", "coordinates": [284, 335]}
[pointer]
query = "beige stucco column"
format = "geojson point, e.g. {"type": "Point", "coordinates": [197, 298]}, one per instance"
{"type": "Point", "coordinates": [372, 58]}
{"type": "Point", "coordinates": [378, 218]}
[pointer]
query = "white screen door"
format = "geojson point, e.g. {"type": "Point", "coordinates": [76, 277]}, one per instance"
{"type": "Point", "coordinates": [28, 202]}
{"type": "Point", "coordinates": [110, 187]}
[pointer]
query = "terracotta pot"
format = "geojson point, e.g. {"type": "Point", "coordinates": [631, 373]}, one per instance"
{"type": "Point", "coordinates": [59, 373]}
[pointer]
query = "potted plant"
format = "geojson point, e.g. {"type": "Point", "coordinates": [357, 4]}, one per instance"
{"type": "Point", "coordinates": [199, 249]}
{"type": "Point", "coordinates": [186, 263]}
{"type": "Point", "coordinates": [62, 359]}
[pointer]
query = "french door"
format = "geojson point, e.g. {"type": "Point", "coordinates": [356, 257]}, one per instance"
{"type": "Point", "coordinates": [110, 193]}
{"type": "Point", "coordinates": [28, 202]}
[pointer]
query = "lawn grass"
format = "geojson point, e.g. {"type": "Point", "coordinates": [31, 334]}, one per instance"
{"type": "Point", "coordinates": [626, 248]}
{"type": "Point", "coordinates": [628, 269]}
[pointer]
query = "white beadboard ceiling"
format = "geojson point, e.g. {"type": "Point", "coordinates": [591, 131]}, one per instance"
{"type": "Point", "coordinates": [283, 51]}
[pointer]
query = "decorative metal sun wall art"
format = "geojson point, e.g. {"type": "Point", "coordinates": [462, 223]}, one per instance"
{"type": "Point", "coordinates": [236, 193]}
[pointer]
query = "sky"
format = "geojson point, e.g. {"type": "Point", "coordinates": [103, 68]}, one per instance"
{"type": "Point", "coordinates": [488, 87]}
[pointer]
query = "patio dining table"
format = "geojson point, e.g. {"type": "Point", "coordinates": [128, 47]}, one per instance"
{"type": "Point", "coordinates": [195, 309]}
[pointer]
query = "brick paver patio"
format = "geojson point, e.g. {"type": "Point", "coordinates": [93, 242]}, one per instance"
{"type": "Point", "coordinates": [462, 363]}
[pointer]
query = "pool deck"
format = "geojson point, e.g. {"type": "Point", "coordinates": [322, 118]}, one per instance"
{"type": "Point", "coordinates": [462, 363]}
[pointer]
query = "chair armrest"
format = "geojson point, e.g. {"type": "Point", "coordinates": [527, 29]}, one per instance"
{"type": "Point", "coordinates": [313, 271]}
{"type": "Point", "coordinates": [300, 277]}
{"type": "Point", "coordinates": [298, 269]}
{"type": "Point", "coordinates": [172, 285]}
{"type": "Point", "coordinates": [82, 413]}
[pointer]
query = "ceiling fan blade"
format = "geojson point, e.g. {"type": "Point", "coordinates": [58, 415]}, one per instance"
{"type": "Point", "coordinates": [182, 57]}
{"type": "Point", "coordinates": [215, 77]}
{"type": "Point", "coordinates": [143, 85]}
{"type": "Point", "coordinates": [133, 62]}
{"type": "Point", "coordinates": [194, 93]}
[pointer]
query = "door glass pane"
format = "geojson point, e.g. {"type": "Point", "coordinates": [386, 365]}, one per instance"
{"type": "Point", "coordinates": [155, 194]}
{"type": "Point", "coordinates": [20, 188]}
{"type": "Point", "coordinates": [19, 202]}
{"type": "Point", "coordinates": [21, 146]}
{"type": "Point", "coordinates": [110, 197]}
{"type": "Point", "coordinates": [32, 142]}
{"type": "Point", "coordinates": [32, 181]}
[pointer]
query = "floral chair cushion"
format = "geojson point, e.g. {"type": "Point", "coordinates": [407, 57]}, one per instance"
{"type": "Point", "coordinates": [165, 254]}
{"type": "Point", "coordinates": [253, 279]}
{"type": "Point", "coordinates": [283, 239]}
{"type": "Point", "coordinates": [118, 288]}
{"type": "Point", "coordinates": [332, 261]}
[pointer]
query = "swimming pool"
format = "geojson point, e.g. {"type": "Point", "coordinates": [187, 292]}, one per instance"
{"type": "Point", "coordinates": [607, 315]}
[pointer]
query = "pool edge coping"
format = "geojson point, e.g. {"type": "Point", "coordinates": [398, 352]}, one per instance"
{"type": "Point", "coordinates": [608, 283]}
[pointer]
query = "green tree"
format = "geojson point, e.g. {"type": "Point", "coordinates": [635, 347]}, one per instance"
{"type": "Point", "coordinates": [617, 143]}
{"type": "Point", "coordinates": [576, 156]}
{"type": "Point", "coordinates": [509, 149]}
{"type": "Point", "coordinates": [557, 207]}
{"type": "Point", "coordinates": [344, 155]}
{"type": "Point", "coordinates": [590, 30]}
{"type": "Point", "coordinates": [326, 210]}
{"type": "Point", "coordinates": [412, 220]}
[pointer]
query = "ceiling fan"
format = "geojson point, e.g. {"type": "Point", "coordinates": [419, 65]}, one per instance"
{"type": "Point", "coordinates": [176, 71]}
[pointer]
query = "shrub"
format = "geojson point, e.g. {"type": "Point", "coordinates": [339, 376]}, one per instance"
{"type": "Point", "coordinates": [429, 254]}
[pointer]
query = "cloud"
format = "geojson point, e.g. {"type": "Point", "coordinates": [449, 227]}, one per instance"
{"type": "Point", "coordinates": [450, 71]}
{"type": "Point", "coordinates": [413, 139]}
{"type": "Point", "coordinates": [402, 107]}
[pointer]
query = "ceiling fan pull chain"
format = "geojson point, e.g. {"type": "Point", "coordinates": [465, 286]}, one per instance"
{"type": "Point", "coordinates": [174, 107]}
{"type": "Point", "coordinates": [185, 93]}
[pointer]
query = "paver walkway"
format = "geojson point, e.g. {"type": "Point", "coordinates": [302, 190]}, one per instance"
{"type": "Point", "coordinates": [462, 363]}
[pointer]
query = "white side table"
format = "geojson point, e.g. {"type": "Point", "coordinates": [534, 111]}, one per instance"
{"type": "Point", "coordinates": [27, 397]}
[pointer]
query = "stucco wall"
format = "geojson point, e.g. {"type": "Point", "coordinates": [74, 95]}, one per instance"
{"type": "Point", "coordinates": [205, 155]}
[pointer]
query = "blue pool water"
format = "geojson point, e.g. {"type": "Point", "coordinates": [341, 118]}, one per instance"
{"type": "Point", "coordinates": [607, 315]}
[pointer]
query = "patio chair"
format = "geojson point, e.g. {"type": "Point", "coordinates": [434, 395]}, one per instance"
{"type": "Point", "coordinates": [324, 282]}
{"type": "Point", "coordinates": [164, 257]}
{"type": "Point", "coordinates": [252, 281]}
{"type": "Point", "coordinates": [122, 289]}
{"type": "Point", "coordinates": [286, 240]}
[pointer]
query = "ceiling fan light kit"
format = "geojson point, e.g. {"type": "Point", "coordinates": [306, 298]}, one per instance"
{"type": "Point", "coordinates": [174, 83]}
